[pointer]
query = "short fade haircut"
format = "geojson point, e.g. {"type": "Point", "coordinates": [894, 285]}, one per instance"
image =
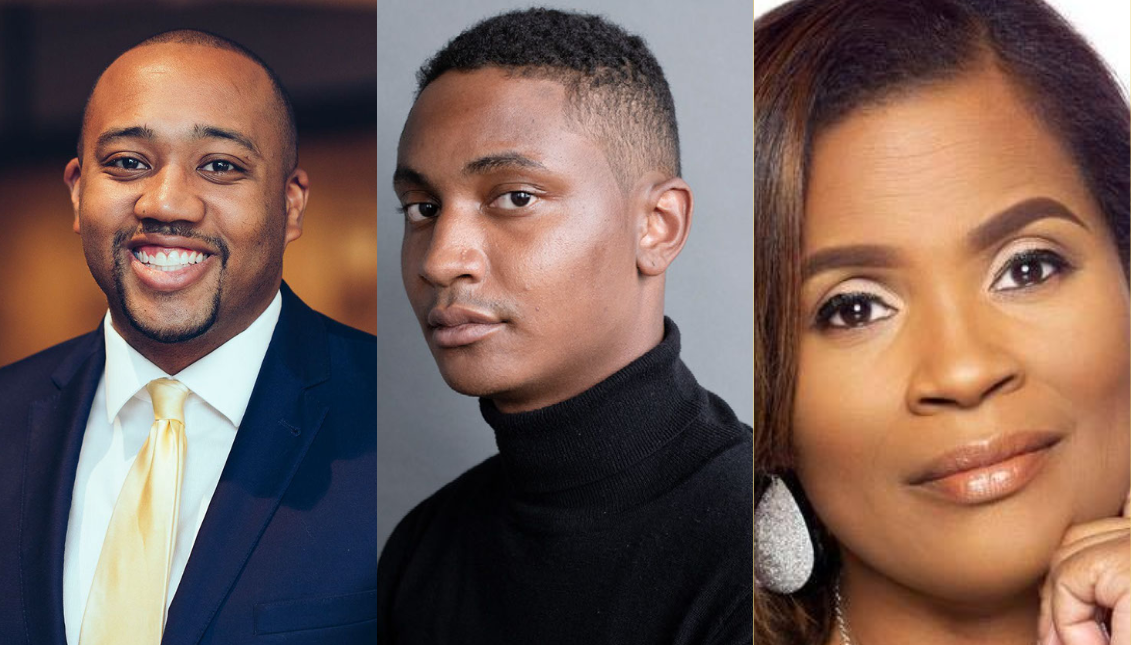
{"type": "Point", "coordinates": [285, 112]}
{"type": "Point", "coordinates": [615, 88]}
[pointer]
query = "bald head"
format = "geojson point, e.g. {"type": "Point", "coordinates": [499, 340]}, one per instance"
{"type": "Point", "coordinates": [280, 109]}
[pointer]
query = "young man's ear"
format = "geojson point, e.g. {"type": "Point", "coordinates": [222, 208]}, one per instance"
{"type": "Point", "coordinates": [665, 226]}
{"type": "Point", "coordinates": [72, 175]}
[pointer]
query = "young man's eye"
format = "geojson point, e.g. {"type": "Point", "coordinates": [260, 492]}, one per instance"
{"type": "Point", "coordinates": [1028, 269]}
{"type": "Point", "coordinates": [514, 200]}
{"type": "Point", "coordinates": [851, 310]}
{"type": "Point", "coordinates": [420, 211]}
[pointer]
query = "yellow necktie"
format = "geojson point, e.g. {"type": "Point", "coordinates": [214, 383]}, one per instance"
{"type": "Point", "coordinates": [127, 599]}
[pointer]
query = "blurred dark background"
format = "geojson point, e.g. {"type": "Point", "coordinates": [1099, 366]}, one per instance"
{"type": "Point", "coordinates": [51, 52]}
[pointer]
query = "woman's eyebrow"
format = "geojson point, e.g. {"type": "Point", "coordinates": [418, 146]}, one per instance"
{"type": "Point", "coordinates": [1017, 217]}
{"type": "Point", "coordinates": [859, 255]}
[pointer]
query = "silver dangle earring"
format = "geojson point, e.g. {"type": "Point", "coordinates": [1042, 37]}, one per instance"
{"type": "Point", "coordinates": [783, 550]}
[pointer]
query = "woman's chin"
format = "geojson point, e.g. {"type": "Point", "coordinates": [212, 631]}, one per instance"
{"type": "Point", "coordinates": [976, 562]}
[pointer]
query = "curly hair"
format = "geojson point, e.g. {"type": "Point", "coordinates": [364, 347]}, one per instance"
{"type": "Point", "coordinates": [615, 89]}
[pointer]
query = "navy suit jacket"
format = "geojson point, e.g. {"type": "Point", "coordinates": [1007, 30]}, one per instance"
{"type": "Point", "coordinates": [287, 552]}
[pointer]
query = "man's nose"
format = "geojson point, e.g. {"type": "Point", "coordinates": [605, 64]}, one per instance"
{"type": "Point", "coordinates": [456, 249]}
{"type": "Point", "coordinates": [168, 195]}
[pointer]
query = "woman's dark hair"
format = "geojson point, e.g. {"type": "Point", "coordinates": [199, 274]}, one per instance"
{"type": "Point", "coordinates": [817, 61]}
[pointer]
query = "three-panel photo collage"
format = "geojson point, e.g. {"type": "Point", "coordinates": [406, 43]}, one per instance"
{"type": "Point", "coordinates": [416, 322]}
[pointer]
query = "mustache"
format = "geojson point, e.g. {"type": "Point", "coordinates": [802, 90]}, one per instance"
{"type": "Point", "coordinates": [464, 298]}
{"type": "Point", "coordinates": [177, 229]}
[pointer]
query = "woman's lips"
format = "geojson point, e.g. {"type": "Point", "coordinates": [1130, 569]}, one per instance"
{"type": "Point", "coordinates": [990, 470]}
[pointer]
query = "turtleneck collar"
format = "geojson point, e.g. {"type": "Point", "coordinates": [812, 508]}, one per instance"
{"type": "Point", "coordinates": [602, 431]}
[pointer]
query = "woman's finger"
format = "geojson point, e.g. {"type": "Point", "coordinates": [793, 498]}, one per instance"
{"type": "Point", "coordinates": [1106, 525]}
{"type": "Point", "coordinates": [1069, 549]}
{"type": "Point", "coordinates": [1088, 581]}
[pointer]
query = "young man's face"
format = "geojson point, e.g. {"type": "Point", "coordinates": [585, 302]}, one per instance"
{"type": "Point", "coordinates": [182, 200]}
{"type": "Point", "coordinates": [519, 254]}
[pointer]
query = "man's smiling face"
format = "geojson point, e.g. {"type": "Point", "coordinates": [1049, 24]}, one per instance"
{"type": "Point", "coordinates": [182, 199]}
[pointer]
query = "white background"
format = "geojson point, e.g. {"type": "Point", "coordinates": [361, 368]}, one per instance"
{"type": "Point", "coordinates": [1106, 24]}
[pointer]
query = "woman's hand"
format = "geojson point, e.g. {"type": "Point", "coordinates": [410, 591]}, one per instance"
{"type": "Point", "coordinates": [1090, 579]}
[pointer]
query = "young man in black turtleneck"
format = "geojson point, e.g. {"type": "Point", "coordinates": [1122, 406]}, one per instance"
{"type": "Point", "coordinates": [539, 177]}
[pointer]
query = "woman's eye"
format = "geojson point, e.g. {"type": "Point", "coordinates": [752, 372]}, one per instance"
{"type": "Point", "coordinates": [850, 310]}
{"type": "Point", "coordinates": [1029, 268]}
{"type": "Point", "coordinates": [129, 163]}
{"type": "Point", "coordinates": [514, 199]}
{"type": "Point", "coordinates": [420, 211]}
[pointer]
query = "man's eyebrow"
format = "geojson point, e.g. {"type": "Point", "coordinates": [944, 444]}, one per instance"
{"type": "Point", "coordinates": [503, 160]}
{"type": "Point", "coordinates": [213, 132]}
{"type": "Point", "coordinates": [131, 132]}
{"type": "Point", "coordinates": [198, 132]}
{"type": "Point", "coordinates": [406, 175]}
{"type": "Point", "coordinates": [860, 255]}
{"type": "Point", "coordinates": [1017, 217]}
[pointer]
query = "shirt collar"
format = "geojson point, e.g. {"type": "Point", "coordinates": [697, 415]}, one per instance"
{"type": "Point", "coordinates": [224, 378]}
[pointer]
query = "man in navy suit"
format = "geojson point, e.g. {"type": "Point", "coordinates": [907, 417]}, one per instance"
{"type": "Point", "coordinates": [186, 191]}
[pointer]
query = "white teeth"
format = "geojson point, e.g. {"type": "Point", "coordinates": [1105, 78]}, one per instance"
{"type": "Point", "coordinates": [171, 260]}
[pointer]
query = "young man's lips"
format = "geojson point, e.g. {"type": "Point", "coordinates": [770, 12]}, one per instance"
{"type": "Point", "coordinates": [987, 471]}
{"type": "Point", "coordinates": [465, 334]}
{"type": "Point", "coordinates": [458, 326]}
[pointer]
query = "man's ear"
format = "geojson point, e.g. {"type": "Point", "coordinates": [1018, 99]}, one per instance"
{"type": "Point", "coordinates": [666, 223]}
{"type": "Point", "coordinates": [72, 175]}
{"type": "Point", "coordinates": [297, 190]}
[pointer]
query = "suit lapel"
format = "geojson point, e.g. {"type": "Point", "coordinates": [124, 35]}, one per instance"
{"type": "Point", "coordinates": [281, 421]}
{"type": "Point", "coordinates": [56, 425]}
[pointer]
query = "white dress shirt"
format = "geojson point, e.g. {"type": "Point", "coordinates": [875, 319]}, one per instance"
{"type": "Point", "coordinates": [118, 425]}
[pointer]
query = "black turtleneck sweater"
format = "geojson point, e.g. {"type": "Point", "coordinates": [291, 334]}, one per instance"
{"type": "Point", "coordinates": [620, 516]}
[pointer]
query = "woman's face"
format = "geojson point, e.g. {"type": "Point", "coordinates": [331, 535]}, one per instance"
{"type": "Point", "coordinates": [963, 383]}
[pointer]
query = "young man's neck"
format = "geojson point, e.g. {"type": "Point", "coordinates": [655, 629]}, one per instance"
{"type": "Point", "coordinates": [644, 339]}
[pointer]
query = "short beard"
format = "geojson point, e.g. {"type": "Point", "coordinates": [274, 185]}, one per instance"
{"type": "Point", "coordinates": [166, 336]}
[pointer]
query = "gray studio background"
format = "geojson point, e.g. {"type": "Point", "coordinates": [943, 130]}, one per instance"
{"type": "Point", "coordinates": [427, 434]}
